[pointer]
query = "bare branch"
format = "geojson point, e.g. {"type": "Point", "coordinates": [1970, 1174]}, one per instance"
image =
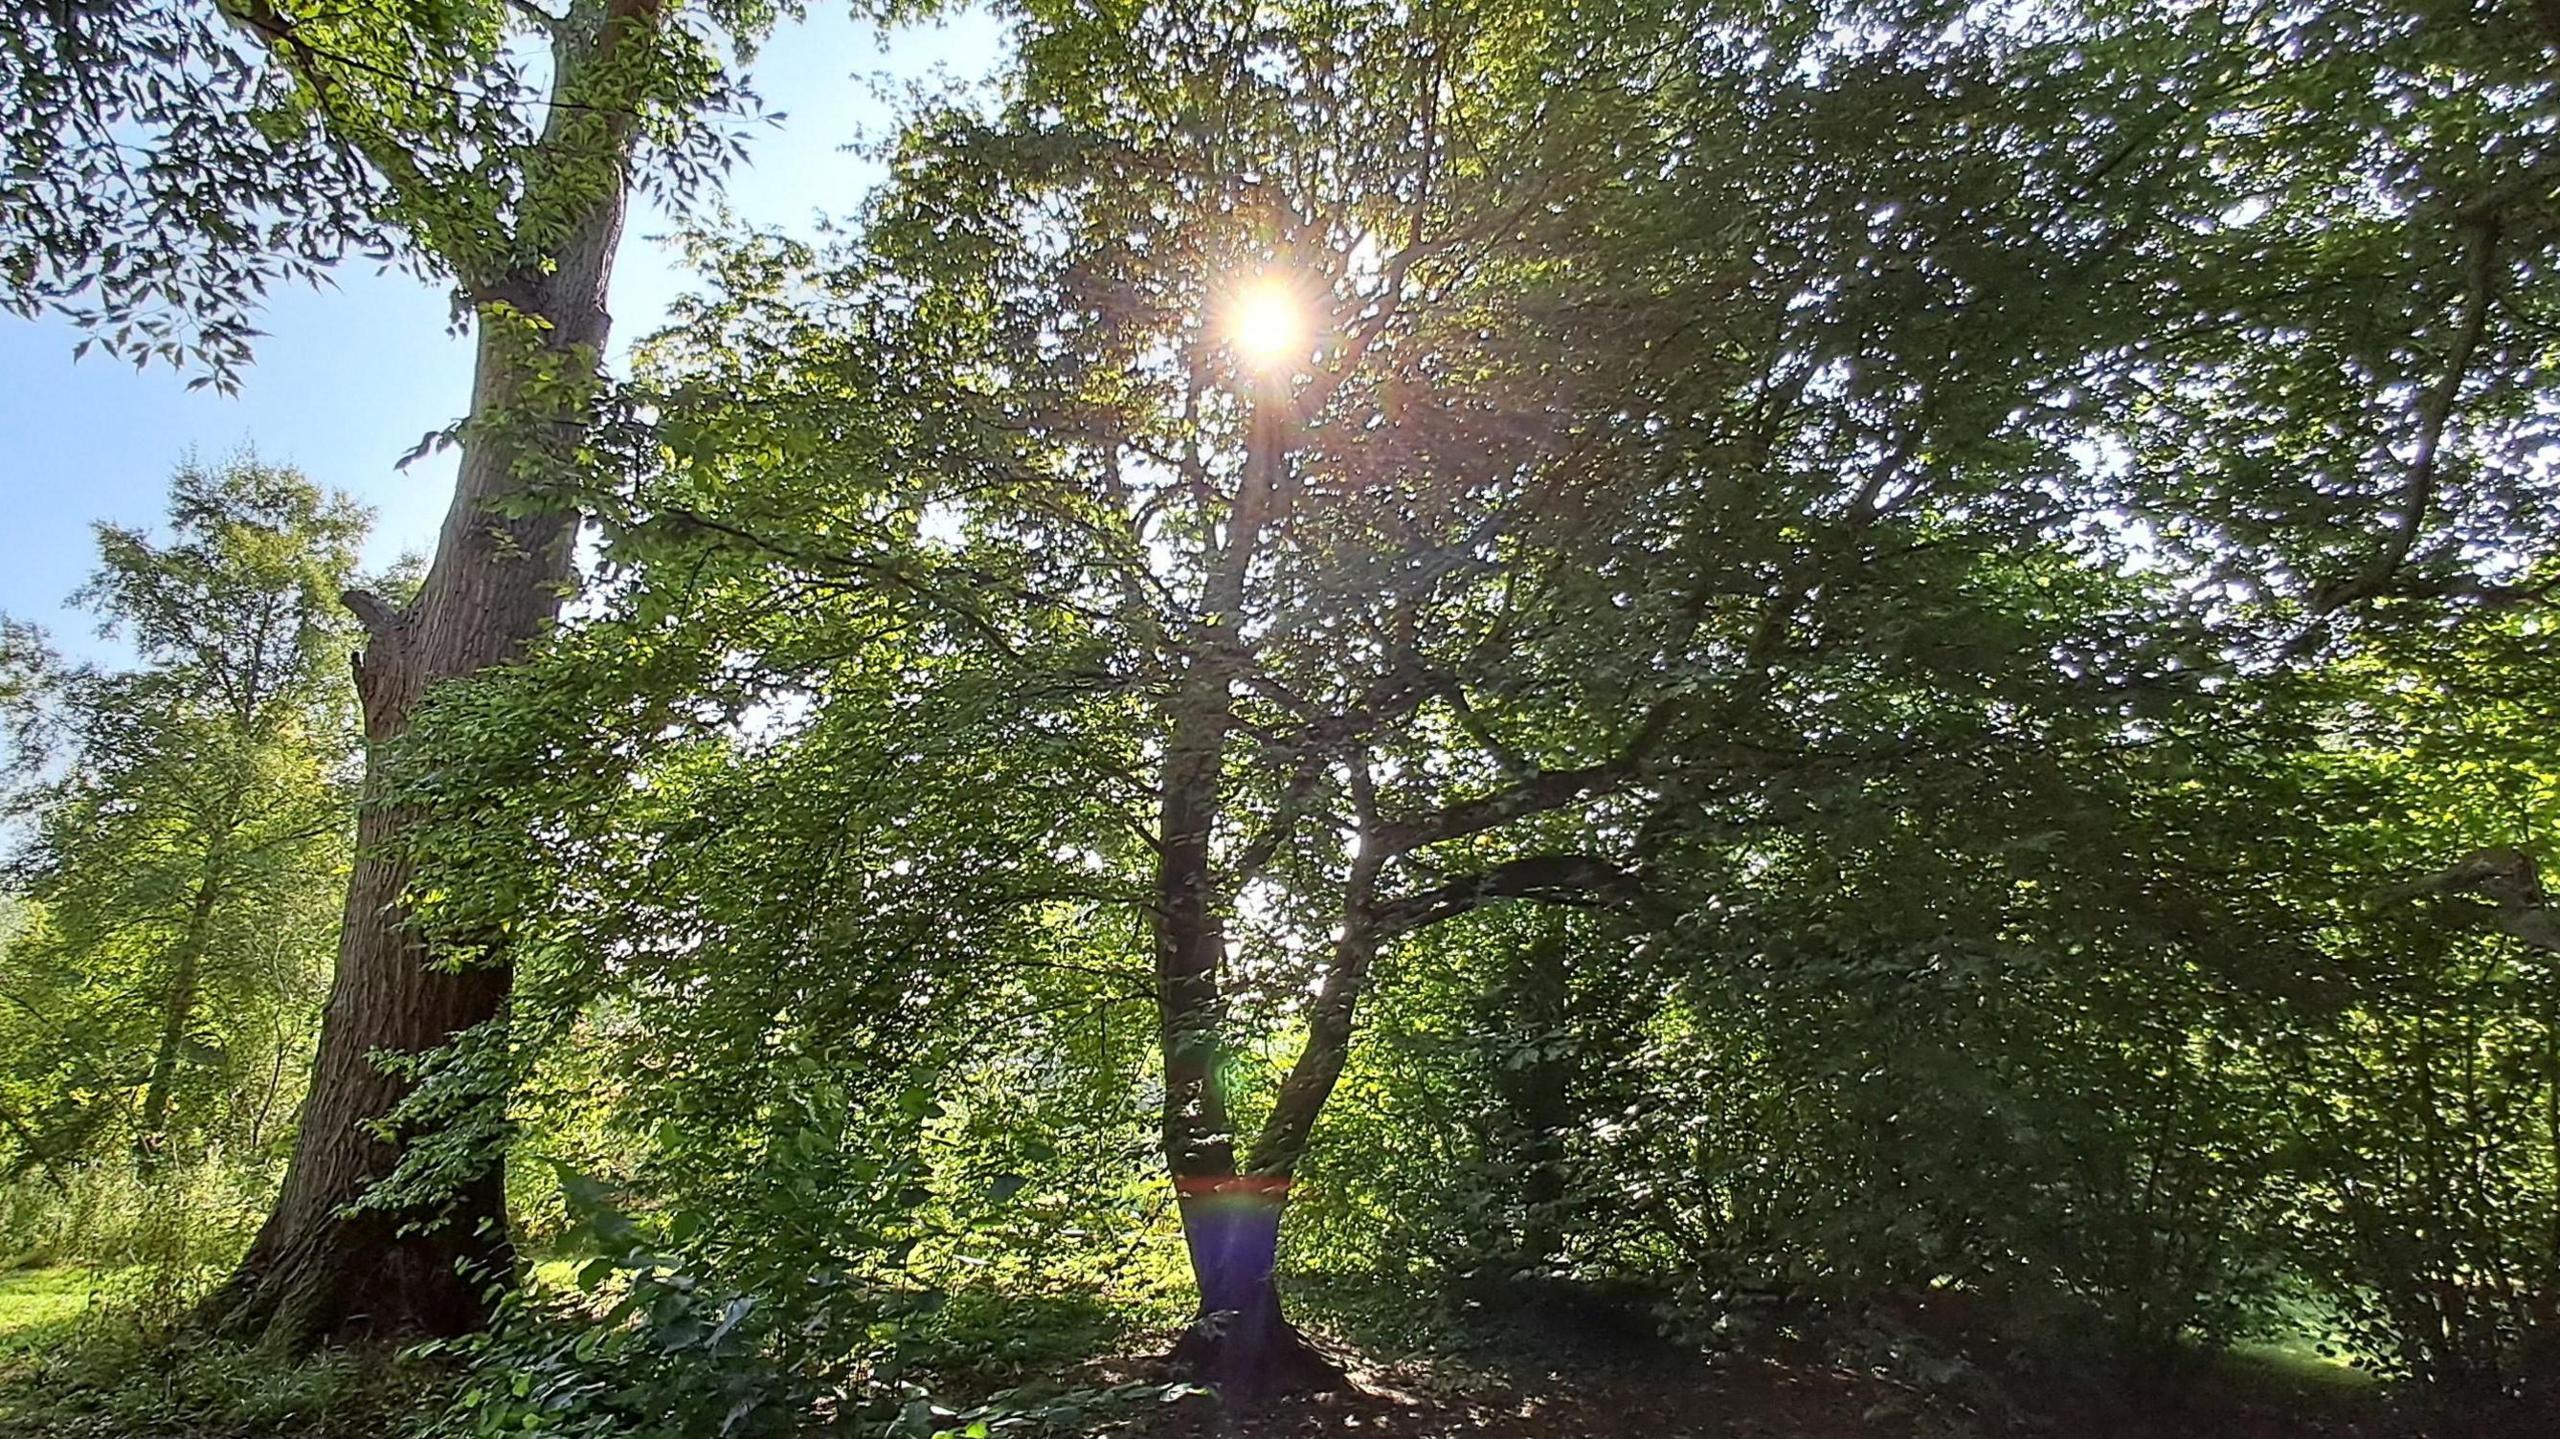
{"type": "Point", "coordinates": [373, 612]}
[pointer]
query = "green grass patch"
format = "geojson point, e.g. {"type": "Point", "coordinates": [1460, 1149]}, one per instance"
{"type": "Point", "coordinates": [39, 1308]}
{"type": "Point", "coordinates": [2293, 1372]}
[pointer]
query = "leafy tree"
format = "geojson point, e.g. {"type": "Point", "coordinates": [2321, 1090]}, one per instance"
{"type": "Point", "coordinates": [175, 160]}
{"type": "Point", "coordinates": [2420, 1095]}
{"type": "Point", "coordinates": [1894, 513]}
{"type": "Point", "coordinates": [184, 856]}
{"type": "Point", "coordinates": [28, 666]}
{"type": "Point", "coordinates": [493, 144]}
{"type": "Point", "coordinates": [1835, 488]}
{"type": "Point", "coordinates": [1608, 480]}
{"type": "Point", "coordinates": [162, 181]}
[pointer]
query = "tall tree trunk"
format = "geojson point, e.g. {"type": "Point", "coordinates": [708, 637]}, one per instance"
{"type": "Point", "coordinates": [1238, 1340]}
{"type": "Point", "coordinates": [1537, 1094]}
{"type": "Point", "coordinates": [151, 1139]}
{"type": "Point", "coordinates": [502, 566]}
{"type": "Point", "coordinates": [1231, 1220]}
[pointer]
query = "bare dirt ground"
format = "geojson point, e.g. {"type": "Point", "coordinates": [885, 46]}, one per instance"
{"type": "Point", "coordinates": [1766, 1398]}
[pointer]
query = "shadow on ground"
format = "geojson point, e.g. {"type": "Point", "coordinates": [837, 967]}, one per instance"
{"type": "Point", "coordinates": [1594, 1365]}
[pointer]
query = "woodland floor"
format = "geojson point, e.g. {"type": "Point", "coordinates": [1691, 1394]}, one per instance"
{"type": "Point", "coordinates": [1562, 1390]}
{"type": "Point", "coordinates": [1773, 1399]}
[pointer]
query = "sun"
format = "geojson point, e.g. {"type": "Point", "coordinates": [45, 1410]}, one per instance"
{"type": "Point", "coordinates": [1267, 324]}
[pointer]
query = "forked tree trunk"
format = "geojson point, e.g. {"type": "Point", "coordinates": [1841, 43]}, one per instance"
{"type": "Point", "coordinates": [1239, 1339]}
{"type": "Point", "coordinates": [316, 1272]}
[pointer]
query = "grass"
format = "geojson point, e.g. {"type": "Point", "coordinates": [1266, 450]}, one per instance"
{"type": "Point", "coordinates": [2294, 1372]}
{"type": "Point", "coordinates": [39, 1309]}
{"type": "Point", "coordinates": [69, 1371]}
{"type": "Point", "coordinates": [2299, 1359]}
{"type": "Point", "coordinates": [72, 1366]}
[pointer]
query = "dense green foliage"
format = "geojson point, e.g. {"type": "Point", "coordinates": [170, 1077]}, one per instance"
{"type": "Point", "coordinates": [1869, 656]}
{"type": "Point", "coordinates": [185, 826]}
{"type": "Point", "coordinates": [172, 161]}
{"type": "Point", "coordinates": [493, 144]}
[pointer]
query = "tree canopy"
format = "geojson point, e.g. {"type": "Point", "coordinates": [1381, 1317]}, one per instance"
{"type": "Point", "coordinates": [1832, 659]}
{"type": "Point", "coordinates": [179, 853]}
{"type": "Point", "coordinates": [1880, 506]}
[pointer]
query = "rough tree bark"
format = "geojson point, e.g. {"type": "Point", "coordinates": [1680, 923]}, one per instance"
{"type": "Point", "coordinates": [317, 1272]}
{"type": "Point", "coordinates": [1239, 1340]}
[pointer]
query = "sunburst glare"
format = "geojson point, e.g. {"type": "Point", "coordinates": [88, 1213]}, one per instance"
{"type": "Point", "coordinates": [1267, 324]}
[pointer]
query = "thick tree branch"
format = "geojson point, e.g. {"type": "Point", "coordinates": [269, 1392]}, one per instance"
{"type": "Point", "coordinates": [1393, 697]}
{"type": "Point", "coordinates": [1554, 878]}
{"type": "Point", "coordinates": [2509, 880]}
{"type": "Point", "coordinates": [1320, 1060]}
{"type": "Point", "coordinates": [1284, 819]}
{"type": "Point", "coordinates": [2435, 412]}
{"type": "Point", "coordinates": [1540, 792]}
{"type": "Point", "coordinates": [373, 612]}
{"type": "Point", "coordinates": [1546, 790]}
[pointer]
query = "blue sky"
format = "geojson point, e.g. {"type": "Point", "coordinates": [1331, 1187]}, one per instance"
{"type": "Point", "coordinates": [350, 377]}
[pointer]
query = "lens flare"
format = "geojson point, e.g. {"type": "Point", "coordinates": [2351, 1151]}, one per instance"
{"type": "Point", "coordinates": [1268, 326]}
